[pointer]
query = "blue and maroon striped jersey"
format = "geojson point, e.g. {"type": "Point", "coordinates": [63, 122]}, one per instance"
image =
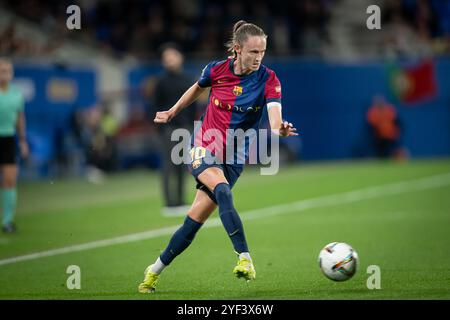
{"type": "Point", "coordinates": [235, 102]}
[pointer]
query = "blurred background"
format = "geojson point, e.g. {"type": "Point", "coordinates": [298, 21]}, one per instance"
{"type": "Point", "coordinates": [90, 93]}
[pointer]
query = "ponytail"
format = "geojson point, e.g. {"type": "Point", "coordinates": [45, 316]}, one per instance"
{"type": "Point", "coordinates": [241, 31]}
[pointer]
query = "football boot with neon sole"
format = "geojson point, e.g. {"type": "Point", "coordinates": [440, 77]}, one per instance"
{"type": "Point", "coordinates": [245, 269]}
{"type": "Point", "coordinates": [150, 280]}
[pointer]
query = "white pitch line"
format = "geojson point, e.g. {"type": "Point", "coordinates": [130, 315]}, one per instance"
{"type": "Point", "coordinates": [322, 201]}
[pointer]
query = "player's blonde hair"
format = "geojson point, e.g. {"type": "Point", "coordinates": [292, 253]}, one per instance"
{"type": "Point", "coordinates": [241, 31]}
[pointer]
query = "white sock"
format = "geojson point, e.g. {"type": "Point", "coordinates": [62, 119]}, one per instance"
{"type": "Point", "coordinates": [245, 255]}
{"type": "Point", "coordinates": [158, 266]}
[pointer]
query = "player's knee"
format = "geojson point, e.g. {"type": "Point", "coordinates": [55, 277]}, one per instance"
{"type": "Point", "coordinates": [195, 215]}
{"type": "Point", "coordinates": [222, 192]}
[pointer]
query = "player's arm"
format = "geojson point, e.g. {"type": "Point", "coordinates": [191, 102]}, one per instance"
{"type": "Point", "coordinates": [192, 94]}
{"type": "Point", "coordinates": [21, 132]}
{"type": "Point", "coordinates": [278, 126]}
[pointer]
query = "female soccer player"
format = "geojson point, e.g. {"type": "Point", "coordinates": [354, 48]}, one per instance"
{"type": "Point", "coordinates": [11, 118]}
{"type": "Point", "coordinates": [240, 86]}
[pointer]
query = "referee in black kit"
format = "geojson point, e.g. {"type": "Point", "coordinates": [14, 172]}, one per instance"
{"type": "Point", "coordinates": [169, 87]}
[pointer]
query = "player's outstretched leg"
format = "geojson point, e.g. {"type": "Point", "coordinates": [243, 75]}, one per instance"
{"type": "Point", "coordinates": [233, 225]}
{"type": "Point", "coordinates": [201, 209]}
{"type": "Point", "coordinates": [180, 240]}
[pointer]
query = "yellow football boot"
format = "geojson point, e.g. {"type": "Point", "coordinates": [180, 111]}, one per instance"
{"type": "Point", "coordinates": [245, 269]}
{"type": "Point", "coordinates": [150, 280]}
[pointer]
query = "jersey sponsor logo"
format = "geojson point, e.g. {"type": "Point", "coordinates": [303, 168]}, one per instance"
{"type": "Point", "coordinates": [229, 107]}
{"type": "Point", "coordinates": [237, 90]}
{"type": "Point", "coordinates": [254, 109]}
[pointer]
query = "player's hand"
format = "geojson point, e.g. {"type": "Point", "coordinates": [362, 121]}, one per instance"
{"type": "Point", "coordinates": [24, 150]}
{"type": "Point", "coordinates": [287, 129]}
{"type": "Point", "coordinates": [163, 117]}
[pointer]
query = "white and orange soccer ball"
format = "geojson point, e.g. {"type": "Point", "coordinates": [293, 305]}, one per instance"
{"type": "Point", "coordinates": [338, 261]}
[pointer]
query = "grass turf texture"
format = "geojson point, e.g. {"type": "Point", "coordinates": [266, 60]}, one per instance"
{"type": "Point", "coordinates": [406, 234]}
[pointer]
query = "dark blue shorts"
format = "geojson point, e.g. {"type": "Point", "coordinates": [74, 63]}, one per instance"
{"type": "Point", "coordinates": [202, 159]}
{"type": "Point", "coordinates": [8, 152]}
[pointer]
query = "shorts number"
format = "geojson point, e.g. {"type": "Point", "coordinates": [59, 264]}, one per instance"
{"type": "Point", "coordinates": [197, 153]}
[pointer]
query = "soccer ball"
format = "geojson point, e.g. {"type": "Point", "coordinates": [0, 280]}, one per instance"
{"type": "Point", "coordinates": [338, 261]}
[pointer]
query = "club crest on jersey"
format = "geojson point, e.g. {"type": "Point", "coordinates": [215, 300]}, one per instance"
{"type": "Point", "coordinates": [237, 91]}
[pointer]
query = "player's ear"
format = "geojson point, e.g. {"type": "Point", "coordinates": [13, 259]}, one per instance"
{"type": "Point", "coordinates": [237, 48]}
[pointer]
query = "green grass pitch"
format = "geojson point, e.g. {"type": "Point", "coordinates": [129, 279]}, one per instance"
{"type": "Point", "coordinates": [405, 231]}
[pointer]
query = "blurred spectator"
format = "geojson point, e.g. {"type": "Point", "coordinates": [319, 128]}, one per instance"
{"type": "Point", "coordinates": [136, 140]}
{"type": "Point", "coordinates": [12, 44]}
{"type": "Point", "coordinates": [281, 41]}
{"type": "Point", "coordinates": [200, 27]}
{"type": "Point", "coordinates": [312, 17]}
{"type": "Point", "coordinates": [416, 27]}
{"type": "Point", "coordinates": [96, 130]}
{"type": "Point", "coordinates": [385, 128]}
{"type": "Point", "coordinates": [137, 122]}
{"type": "Point", "coordinates": [169, 87]}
